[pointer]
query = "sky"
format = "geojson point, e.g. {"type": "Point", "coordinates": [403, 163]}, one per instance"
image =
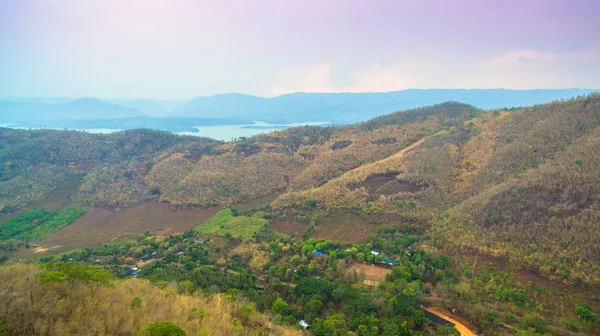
{"type": "Point", "coordinates": [180, 49]}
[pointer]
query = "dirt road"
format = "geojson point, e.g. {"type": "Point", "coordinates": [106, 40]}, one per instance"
{"type": "Point", "coordinates": [464, 330]}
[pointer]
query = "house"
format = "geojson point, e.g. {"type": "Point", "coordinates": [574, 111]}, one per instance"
{"type": "Point", "coordinates": [390, 262]}
{"type": "Point", "coordinates": [134, 273]}
{"type": "Point", "coordinates": [304, 324]}
{"type": "Point", "coordinates": [153, 255]}
{"type": "Point", "coordinates": [179, 253]}
{"type": "Point", "coordinates": [375, 253]}
{"type": "Point", "coordinates": [135, 269]}
{"type": "Point", "coordinates": [318, 252]}
{"type": "Point", "coordinates": [146, 257]}
{"type": "Point", "coordinates": [200, 242]}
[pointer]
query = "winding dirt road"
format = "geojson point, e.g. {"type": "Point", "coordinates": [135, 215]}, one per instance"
{"type": "Point", "coordinates": [464, 331]}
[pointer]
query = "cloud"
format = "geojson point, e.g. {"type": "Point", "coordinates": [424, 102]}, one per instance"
{"type": "Point", "coordinates": [521, 56]}
{"type": "Point", "coordinates": [369, 78]}
{"type": "Point", "coordinates": [315, 78]}
{"type": "Point", "coordinates": [517, 69]}
{"type": "Point", "coordinates": [517, 57]}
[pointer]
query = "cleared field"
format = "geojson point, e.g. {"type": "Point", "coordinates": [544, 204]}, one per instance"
{"type": "Point", "coordinates": [373, 273]}
{"type": "Point", "coordinates": [100, 226]}
{"type": "Point", "coordinates": [344, 228]}
{"type": "Point", "coordinates": [244, 207]}
{"type": "Point", "coordinates": [288, 226]}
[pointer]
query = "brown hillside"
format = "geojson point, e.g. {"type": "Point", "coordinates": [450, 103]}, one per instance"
{"type": "Point", "coordinates": [521, 182]}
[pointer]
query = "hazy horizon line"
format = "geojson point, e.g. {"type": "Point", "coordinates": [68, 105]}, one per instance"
{"type": "Point", "coordinates": [296, 92]}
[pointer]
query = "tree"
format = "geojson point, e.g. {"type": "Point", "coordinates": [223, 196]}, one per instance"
{"type": "Point", "coordinates": [161, 329]}
{"type": "Point", "coordinates": [309, 286]}
{"type": "Point", "coordinates": [4, 329]}
{"type": "Point", "coordinates": [136, 302]}
{"type": "Point", "coordinates": [312, 308]}
{"type": "Point", "coordinates": [280, 307]}
{"type": "Point", "coordinates": [186, 287]}
{"type": "Point", "coordinates": [334, 325]}
{"type": "Point", "coordinates": [71, 272]}
{"type": "Point", "coordinates": [446, 331]}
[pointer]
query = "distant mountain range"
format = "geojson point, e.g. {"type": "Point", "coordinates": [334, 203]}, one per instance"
{"type": "Point", "coordinates": [234, 108]}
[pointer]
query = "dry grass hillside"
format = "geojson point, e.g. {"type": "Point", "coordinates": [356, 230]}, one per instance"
{"type": "Point", "coordinates": [521, 182]}
{"type": "Point", "coordinates": [29, 307]}
{"type": "Point", "coordinates": [128, 168]}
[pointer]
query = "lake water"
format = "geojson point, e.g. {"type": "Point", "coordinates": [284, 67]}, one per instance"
{"type": "Point", "coordinates": [223, 133]}
{"type": "Point", "coordinates": [231, 132]}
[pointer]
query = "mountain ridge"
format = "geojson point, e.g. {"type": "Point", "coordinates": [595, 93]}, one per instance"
{"type": "Point", "coordinates": [340, 108]}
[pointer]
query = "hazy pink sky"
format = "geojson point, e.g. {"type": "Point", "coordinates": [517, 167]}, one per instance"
{"type": "Point", "coordinates": [186, 48]}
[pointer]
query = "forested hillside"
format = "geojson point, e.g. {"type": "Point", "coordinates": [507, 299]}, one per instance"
{"type": "Point", "coordinates": [88, 168]}
{"type": "Point", "coordinates": [490, 212]}
{"type": "Point", "coordinates": [503, 174]}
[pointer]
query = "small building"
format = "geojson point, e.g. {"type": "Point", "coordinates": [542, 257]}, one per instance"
{"type": "Point", "coordinates": [135, 269]}
{"type": "Point", "coordinates": [146, 257]}
{"type": "Point", "coordinates": [134, 273]}
{"type": "Point", "coordinates": [304, 324]}
{"type": "Point", "coordinates": [375, 253]}
{"type": "Point", "coordinates": [200, 242]}
{"type": "Point", "coordinates": [390, 262]}
{"type": "Point", "coordinates": [153, 255]}
{"type": "Point", "coordinates": [179, 253]}
{"type": "Point", "coordinates": [318, 252]}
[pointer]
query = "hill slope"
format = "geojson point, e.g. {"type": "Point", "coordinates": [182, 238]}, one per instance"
{"type": "Point", "coordinates": [123, 308]}
{"type": "Point", "coordinates": [521, 183]}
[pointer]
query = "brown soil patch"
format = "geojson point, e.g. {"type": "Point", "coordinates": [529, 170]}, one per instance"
{"type": "Point", "coordinates": [385, 141]}
{"type": "Point", "coordinates": [341, 144]}
{"type": "Point", "coordinates": [387, 184]}
{"type": "Point", "coordinates": [289, 226]}
{"type": "Point", "coordinates": [373, 273]}
{"type": "Point", "coordinates": [244, 207]}
{"type": "Point", "coordinates": [60, 197]}
{"type": "Point", "coordinates": [100, 226]}
{"type": "Point", "coordinates": [344, 228]}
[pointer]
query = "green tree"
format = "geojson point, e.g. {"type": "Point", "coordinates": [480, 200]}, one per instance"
{"type": "Point", "coordinates": [334, 325]}
{"type": "Point", "coordinates": [280, 307]}
{"type": "Point", "coordinates": [186, 287]}
{"type": "Point", "coordinates": [136, 302]}
{"type": "Point", "coordinates": [4, 329]}
{"type": "Point", "coordinates": [312, 308]}
{"type": "Point", "coordinates": [71, 272]}
{"type": "Point", "coordinates": [161, 329]}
